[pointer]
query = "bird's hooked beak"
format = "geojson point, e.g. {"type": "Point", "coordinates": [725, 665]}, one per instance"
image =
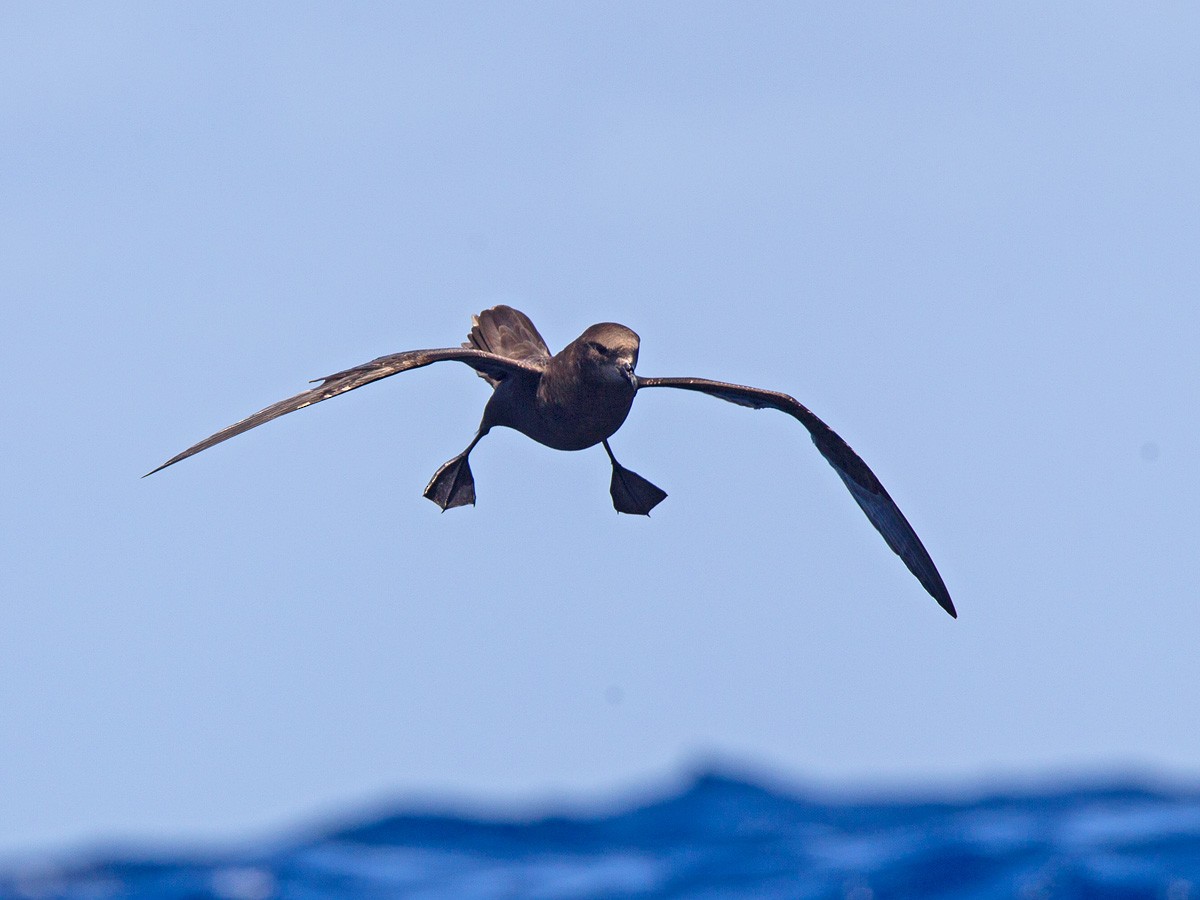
{"type": "Point", "coordinates": [625, 367]}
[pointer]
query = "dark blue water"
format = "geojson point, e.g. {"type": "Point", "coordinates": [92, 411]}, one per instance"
{"type": "Point", "coordinates": [717, 837]}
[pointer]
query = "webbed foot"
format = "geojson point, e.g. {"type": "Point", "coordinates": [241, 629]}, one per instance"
{"type": "Point", "coordinates": [453, 484]}
{"type": "Point", "coordinates": [633, 494]}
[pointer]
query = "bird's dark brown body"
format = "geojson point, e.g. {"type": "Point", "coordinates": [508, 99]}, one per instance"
{"type": "Point", "coordinates": [580, 397]}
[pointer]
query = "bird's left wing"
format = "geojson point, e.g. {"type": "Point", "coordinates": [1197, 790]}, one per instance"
{"type": "Point", "coordinates": [496, 367]}
{"type": "Point", "coordinates": [880, 508]}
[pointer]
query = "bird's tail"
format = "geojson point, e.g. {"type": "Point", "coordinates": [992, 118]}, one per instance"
{"type": "Point", "coordinates": [506, 332]}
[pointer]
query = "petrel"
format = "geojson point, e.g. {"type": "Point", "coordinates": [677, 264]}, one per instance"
{"type": "Point", "coordinates": [578, 398]}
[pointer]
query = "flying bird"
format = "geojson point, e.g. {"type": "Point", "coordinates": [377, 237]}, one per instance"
{"type": "Point", "coordinates": [578, 398]}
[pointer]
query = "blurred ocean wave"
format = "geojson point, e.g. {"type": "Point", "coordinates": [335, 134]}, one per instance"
{"type": "Point", "coordinates": [719, 836]}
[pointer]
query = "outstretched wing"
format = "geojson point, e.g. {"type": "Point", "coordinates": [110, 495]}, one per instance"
{"type": "Point", "coordinates": [880, 508]}
{"type": "Point", "coordinates": [494, 367]}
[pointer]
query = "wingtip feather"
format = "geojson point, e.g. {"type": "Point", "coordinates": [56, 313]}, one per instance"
{"type": "Point", "coordinates": [169, 462]}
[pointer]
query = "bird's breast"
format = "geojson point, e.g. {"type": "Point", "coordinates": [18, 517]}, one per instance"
{"type": "Point", "coordinates": [564, 416]}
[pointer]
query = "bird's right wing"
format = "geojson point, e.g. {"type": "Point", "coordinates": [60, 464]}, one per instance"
{"type": "Point", "coordinates": [494, 367]}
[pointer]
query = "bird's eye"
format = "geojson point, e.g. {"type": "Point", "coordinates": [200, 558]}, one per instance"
{"type": "Point", "coordinates": [599, 348]}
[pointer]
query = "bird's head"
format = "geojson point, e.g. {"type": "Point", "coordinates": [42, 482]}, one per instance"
{"type": "Point", "coordinates": [609, 350]}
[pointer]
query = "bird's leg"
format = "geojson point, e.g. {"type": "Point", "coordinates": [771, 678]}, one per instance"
{"type": "Point", "coordinates": [631, 493]}
{"type": "Point", "coordinates": [453, 484]}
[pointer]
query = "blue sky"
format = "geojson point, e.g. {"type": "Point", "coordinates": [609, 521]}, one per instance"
{"type": "Point", "coordinates": [965, 236]}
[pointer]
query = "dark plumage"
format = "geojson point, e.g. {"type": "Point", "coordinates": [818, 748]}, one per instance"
{"type": "Point", "coordinates": [579, 398]}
